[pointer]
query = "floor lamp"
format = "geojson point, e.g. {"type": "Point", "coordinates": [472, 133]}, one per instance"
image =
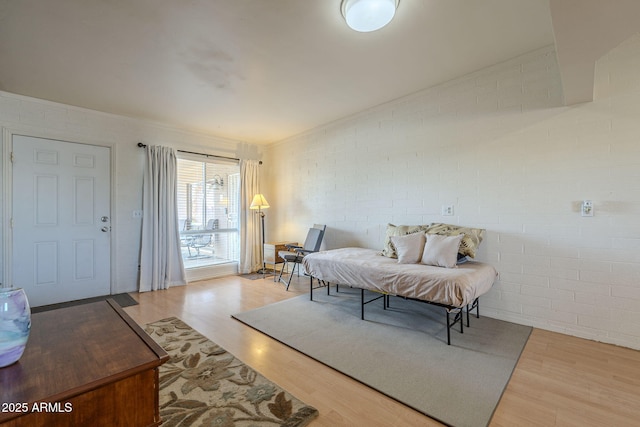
{"type": "Point", "coordinates": [260, 203]}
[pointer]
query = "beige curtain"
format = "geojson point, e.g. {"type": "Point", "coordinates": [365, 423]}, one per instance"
{"type": "Point", "coordinates": [161, 263]}
{"type": "Point", "coordinates": [250, 240]}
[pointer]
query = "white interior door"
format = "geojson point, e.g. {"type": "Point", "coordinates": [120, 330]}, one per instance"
{"type": "Point", "coordinates": [61, 219]}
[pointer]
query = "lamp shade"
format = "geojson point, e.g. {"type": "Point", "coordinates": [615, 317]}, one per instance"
{"type": "Point", "coordinates": [368, 15]}
{"type": "Point", "coordinates": [259, 202]}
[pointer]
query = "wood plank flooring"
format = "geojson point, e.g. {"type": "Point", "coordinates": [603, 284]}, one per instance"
{"type": "Point", "coordinates": [559, 380]}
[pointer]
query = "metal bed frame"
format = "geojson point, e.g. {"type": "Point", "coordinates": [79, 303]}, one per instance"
{"type": "Point", "coordinates": [449, 309]}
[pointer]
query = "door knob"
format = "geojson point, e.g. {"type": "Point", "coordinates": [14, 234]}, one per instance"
{"type": "Point", "coordinates": [104, 219]}
{"type": "Point", "coordinates": [105, 229]}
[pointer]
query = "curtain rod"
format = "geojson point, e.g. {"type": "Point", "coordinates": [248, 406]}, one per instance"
{"type": "Point", "coordinates": [141, 145]}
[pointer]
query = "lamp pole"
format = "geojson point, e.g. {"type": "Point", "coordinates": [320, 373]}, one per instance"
{"type": "Point", "coordinates": [260, 203]}
{"type": "Point", "coordinates": [263, 270]}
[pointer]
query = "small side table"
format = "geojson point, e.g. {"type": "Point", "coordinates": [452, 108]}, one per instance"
{"type": "Point", "coordinates": [271, 254]}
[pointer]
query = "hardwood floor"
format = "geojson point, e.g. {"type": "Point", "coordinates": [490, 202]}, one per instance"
{"type": "Point", "coordinates": [559, 380]}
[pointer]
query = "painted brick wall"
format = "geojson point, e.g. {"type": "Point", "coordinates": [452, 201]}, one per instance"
{"type": "Point", "coordinates": [501, 148]}
{"type": "Point", "coordinates": [39, 118]}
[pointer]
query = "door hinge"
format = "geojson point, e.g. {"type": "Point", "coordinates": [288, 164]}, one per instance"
{"type": "Point", "coordinates": [12, 158]}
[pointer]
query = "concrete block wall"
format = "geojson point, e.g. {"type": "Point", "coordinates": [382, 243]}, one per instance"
{"type": "Point", "coordinates": [499, 146]}
{"type": "Point", "coordinates": [34, 117]}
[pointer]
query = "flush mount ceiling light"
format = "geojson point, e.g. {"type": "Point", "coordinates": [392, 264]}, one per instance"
{"type": "Point", "coordinates": [368, 15]}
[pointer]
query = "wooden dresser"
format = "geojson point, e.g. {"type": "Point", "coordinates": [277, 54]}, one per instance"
{"type": "Point", "coordinates": [88, 365]}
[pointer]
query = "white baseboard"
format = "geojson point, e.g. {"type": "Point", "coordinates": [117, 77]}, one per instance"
{"type": "Point", "coordinates": [212, 271]}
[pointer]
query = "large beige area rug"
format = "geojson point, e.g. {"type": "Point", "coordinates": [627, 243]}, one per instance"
{"type": "Point", "coordinates": [204, 385]}
{"type": "Point", "coordinates": [402, 352]}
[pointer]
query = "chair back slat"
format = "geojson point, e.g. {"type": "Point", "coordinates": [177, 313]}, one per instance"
{"type": "Point", "coordinates": [313, 240]}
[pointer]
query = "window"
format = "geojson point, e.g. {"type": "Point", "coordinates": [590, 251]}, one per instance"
{"type": "Point", "coordinates": [208, 206]}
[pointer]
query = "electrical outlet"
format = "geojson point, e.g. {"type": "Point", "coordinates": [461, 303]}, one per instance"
{"type": "Point", "coordinates": [447, 210]}
{"type": "Point", "coordinates": [587, 208]}
{"type": "Point", "coordinates": [137, 214]}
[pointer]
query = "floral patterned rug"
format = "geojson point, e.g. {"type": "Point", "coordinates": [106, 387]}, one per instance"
{"type": "Point", "coordinates": [204, 385]}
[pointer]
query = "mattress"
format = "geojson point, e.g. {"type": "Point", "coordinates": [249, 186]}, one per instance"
{"type": "Point", "coordinates": [368, 269]}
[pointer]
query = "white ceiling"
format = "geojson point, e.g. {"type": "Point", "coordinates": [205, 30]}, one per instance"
{"type": "Point", "coordinates": [251, 70]}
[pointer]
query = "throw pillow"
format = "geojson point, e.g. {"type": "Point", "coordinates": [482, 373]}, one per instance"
{"type": "Point", "coordinates": [472, 237]}
{"type": "Point", "coordinates": [409, 247]}
{"type": "Point", "coordinates": [398, 230]}
{"type": "Point", "coordinates": [441, 251]}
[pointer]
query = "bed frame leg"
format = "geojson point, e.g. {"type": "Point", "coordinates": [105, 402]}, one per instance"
{"type": "Point", "coordinates": [362, 304]}
{"type": "Point", "coordinates": [310, 288]}
{"type": "Point", "coordinates": [475, 304]}
{"type": "Point", "coordinates": [458, 316]}
{"type": "Point", "coordinates": [448, 329]}
{"type": "Point", "coordinates": [467, 315]}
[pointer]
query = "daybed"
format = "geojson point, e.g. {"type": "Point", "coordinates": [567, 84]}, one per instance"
{"type": "Point", "coordinates": [455, 288]}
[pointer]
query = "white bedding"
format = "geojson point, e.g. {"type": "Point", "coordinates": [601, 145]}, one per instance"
{"type": "Point", "coordinates": [367, 269]}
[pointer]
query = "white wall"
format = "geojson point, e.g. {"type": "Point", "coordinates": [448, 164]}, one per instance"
{"type": "Point", "coordinates": [39, 118]}
{"type": "Point", "coordinates": [500, 147]}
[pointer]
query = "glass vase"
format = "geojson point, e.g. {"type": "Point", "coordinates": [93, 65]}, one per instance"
{"type": "Point", "coordinates": [15, 324]}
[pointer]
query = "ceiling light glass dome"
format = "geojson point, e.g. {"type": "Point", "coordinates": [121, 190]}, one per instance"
{"type": "Point", "coordinates": [368, 15]}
